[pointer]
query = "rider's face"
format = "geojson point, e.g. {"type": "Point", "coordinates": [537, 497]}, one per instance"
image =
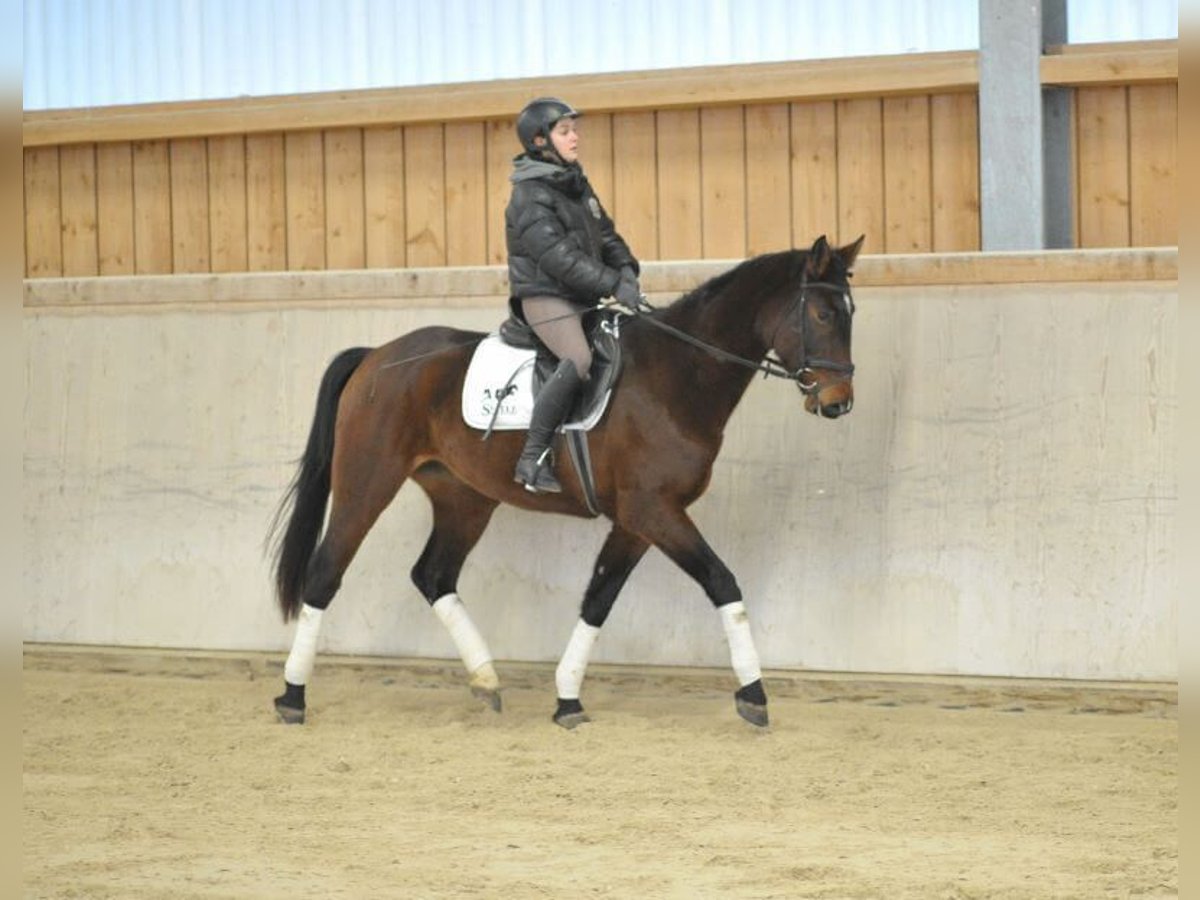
{"type": "Point", "coordinates": [565, 138]}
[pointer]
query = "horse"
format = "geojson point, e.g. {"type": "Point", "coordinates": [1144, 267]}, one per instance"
{"type": "Point", "coordinates": [379, 423]}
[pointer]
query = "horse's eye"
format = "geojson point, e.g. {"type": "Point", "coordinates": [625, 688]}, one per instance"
{"type": "Point", "coordinates": [823, 316]}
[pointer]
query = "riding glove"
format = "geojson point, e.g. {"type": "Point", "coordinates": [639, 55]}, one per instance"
{"type": "Point", "coordinates": [628, 292]}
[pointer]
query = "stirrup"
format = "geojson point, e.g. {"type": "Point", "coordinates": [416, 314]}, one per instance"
{"type": "Point", "coordinates": [537, 475]}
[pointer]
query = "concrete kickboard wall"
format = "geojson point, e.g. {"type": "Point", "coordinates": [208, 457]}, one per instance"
{"type": "Point", "coordinates": [1001, 501]}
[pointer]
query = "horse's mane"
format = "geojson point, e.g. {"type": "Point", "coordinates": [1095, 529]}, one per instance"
{"type": "Point", "coordinates": [763, 275]}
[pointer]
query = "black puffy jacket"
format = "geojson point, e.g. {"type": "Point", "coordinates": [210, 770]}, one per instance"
{"type": "Point", "coordinates": [561, 242]}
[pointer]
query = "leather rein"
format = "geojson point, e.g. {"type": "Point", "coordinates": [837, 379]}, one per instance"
{"type": "Point", "coordinates": [769, 366]}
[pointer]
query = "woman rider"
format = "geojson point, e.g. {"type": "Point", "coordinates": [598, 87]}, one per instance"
{"type": "Point", "coordinates": [564, 255]}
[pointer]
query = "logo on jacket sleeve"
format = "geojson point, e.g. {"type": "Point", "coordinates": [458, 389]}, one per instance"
{"type": "Point", "coordinates": [594, 206]}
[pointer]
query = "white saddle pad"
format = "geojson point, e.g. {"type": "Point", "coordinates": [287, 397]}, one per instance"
{"type": "Point", "coordinates": [500, 375]}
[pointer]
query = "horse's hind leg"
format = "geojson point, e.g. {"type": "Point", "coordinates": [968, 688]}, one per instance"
{"type": "Point", "coordinates": [620, 553]}
{"type": "Point", "coordinates": [460, 515]}
{"type": "Point", "coordinates": [358, 497]}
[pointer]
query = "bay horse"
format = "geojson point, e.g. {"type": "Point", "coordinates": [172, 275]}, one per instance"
{"type": "Point", "coordinates": [685, 367]}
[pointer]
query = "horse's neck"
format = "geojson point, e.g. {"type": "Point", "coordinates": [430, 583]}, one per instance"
{"type": "Point", "coordinates": [716, 386]}
{"type": "Point", "coordinates": [724, 323]}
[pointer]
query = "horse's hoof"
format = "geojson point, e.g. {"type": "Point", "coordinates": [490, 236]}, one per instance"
{"type": "Point", "coordinates": [485, 685]}
{"type": "Point", "coordinates": [573, 720]}
{"type": "Point", "coordinates": [752, 713]}
{"type": "Point", "coordinates": [570, 714]}
{"type": "Point", "coordinates": [290, 704]}
{"type": "Point", "coordinates": [752, 703]}
{"type": "Point", "coordinates": [288, 715]}
{"type": "Point", "coordinates": [489, 697]}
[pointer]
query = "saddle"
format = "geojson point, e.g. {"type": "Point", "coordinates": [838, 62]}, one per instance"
{"type": "Point", "coordinates": [508, 369]}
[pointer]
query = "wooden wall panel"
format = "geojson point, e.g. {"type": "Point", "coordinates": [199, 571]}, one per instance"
{"type": "Point", "coordinates": [383, 173]}
{"type": "Point", "coordinates": [345, 209]}
{"type": "Point", "coordinates": [860, 172]}
{"type": "Point", "coordinates": [907, 175]}
{"type": "Point", "coordinates": [723, 181]}
{"type": "Point", "coordinates": [227, 203]}
{"type": "Point", "coordinates": [77, 174]}
{"type": "Point", "coordinates": [679, 205]}
{"type": "Point", "coordinates": [425, 195]}
{"type": "Point", "coordinates": [635, 182]}
{"type": "Point", "coordinates": [304, 165]}
{"type": "Point", "coordinates": [152, 208]}
{"type": "Point", "coordinates": [768, 170]}
{"type": "Point", "coordinates": [500, 140]}
{"type": "Point", "coordinates": [682, 183]}
{"type": "Point", "coordinates": [814, 173]}
{"type": "Point", "coordinates": [596, 155]}
{"type": "Point", "coordinates": [43, 213]}
{"type": "Point", "coordinates": [466, 194]}
{"type": "Point", "coordinates": [114, 208]}
{"type": "Point", "coordinates": [954, 152]}
{"type": "Point", "coordinates": [189, 205]}
{"type": "Point", "coordinates": [266, 203]}
{"type": "Point", "coordinates": [1153, 167]}
{"type": "Point", "coordinates": [1103, 166]}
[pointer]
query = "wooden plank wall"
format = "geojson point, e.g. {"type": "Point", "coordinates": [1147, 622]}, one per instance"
{"type": "Point", "coordinates": [701, 183]}
{"type": "Point", "coordinates": [1126, 149]}
{"type": "Point", "coordinates": [720, 182]}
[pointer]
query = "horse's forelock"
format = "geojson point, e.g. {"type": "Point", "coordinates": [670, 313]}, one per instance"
{"type": "Point", "coordinates": [836, 272]}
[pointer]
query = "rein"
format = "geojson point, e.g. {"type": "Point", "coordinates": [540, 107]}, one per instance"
{"type": "Point", "coordinates": [772, 368]}
{"type": "Point", "coordinates": [768, 367]}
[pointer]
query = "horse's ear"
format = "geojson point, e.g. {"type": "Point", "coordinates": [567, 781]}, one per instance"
{"type": "Point", "coordinates": [818, 257]}
{"type": "Point", "coordinates": [849, 253]}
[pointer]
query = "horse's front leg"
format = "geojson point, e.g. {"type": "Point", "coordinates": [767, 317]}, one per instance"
{"type": "Point", "coordinates": [673, 532]}
{"type": "Point", "coordinates": [618, 556]}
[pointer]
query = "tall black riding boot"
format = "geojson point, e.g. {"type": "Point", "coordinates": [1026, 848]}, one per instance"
{"type": "Point", "coordinates": [534, 469]}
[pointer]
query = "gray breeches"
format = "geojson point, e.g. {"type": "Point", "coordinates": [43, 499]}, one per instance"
{"type": "Point", "coordinates": [559, 325]}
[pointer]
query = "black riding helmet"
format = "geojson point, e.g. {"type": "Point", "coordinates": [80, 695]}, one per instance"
{"type": "Point", "coordinates": [539, 117]}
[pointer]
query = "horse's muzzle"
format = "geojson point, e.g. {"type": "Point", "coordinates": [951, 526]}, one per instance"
{"type": "Point", "coordinates": [830, 402]}
{"type": "Point", "coordinates": [833, 410]}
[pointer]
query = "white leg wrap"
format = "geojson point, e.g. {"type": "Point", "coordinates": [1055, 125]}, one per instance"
{"type": "Point", "coordinates": [299, 665]}
{"type": "Point", "coordinates": [471, 646]}
{"type": "Point", "coordinates": [741, 644]}
{"type": "Point", "coordinates": [568, 678]}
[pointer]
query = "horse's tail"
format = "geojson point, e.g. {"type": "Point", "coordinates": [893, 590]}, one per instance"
{"type": "Point", "coordinates": [309, 491]}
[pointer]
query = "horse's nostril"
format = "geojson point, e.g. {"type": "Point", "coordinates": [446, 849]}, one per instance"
{"type": "Point", "coordinates": [833, 410]}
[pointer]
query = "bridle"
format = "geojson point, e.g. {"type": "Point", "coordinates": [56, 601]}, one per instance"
{"type": "Point", "coordinates": [804, 375]}
{"type": "Point", "coordinates": [808, 364]}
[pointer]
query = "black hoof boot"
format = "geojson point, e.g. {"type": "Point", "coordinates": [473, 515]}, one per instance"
{"type": "Point", "coordinates": [290, 704]}
{"type": "Point", "coordinates": [570, 714]}
{"type": "Point", "coordinates": [752, 703]}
